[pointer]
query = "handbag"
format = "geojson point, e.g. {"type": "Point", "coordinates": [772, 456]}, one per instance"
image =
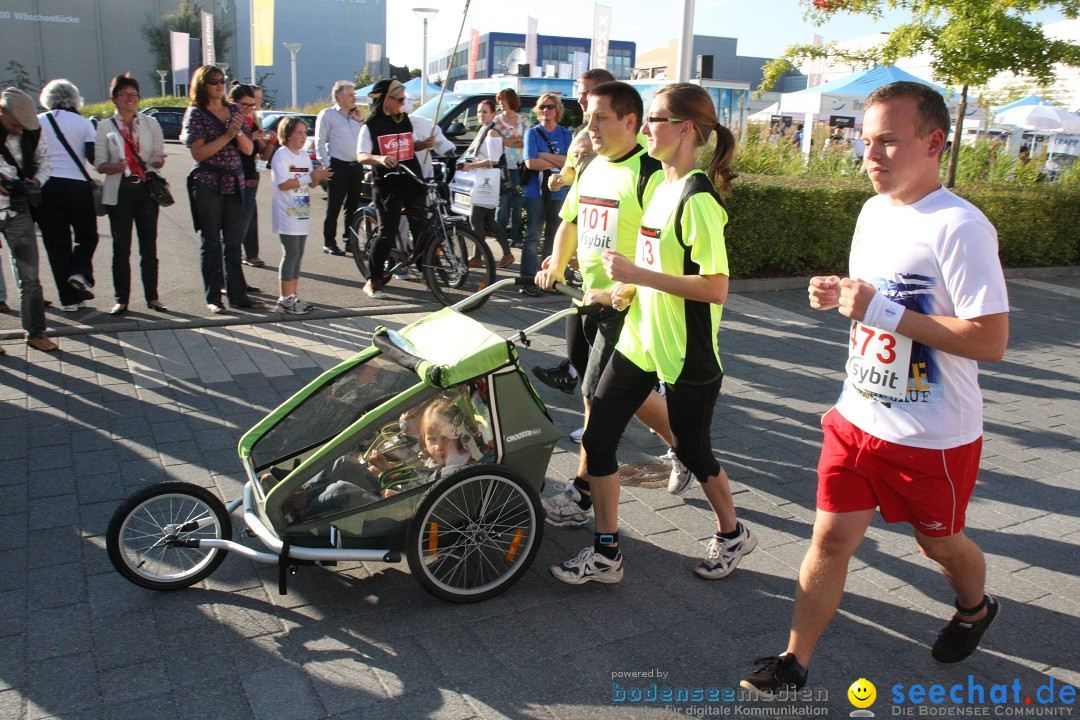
{"type": "Point", "coordinates": [96, 186]}
{"type": "Point", "coordinates": [157, 185]}
{"type": "Point", "coordinates": [485, 189]}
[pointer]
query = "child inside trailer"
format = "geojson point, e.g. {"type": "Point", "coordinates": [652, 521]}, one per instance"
{"type": "Point", "coordinates": [450, 430]}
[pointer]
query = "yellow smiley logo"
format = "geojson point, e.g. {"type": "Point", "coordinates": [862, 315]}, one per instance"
{"type": "Point", "coordinates": [862, 693]}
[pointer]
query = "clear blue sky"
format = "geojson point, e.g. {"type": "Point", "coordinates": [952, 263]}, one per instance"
{"type": "Point", "coordinates": [763, 27]}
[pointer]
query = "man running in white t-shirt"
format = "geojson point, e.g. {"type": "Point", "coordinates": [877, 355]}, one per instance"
{"type": "Point", "coordinates": [927, 301]}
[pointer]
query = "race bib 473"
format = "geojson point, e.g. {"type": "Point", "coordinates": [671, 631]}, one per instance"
{"type": "Point", "coordinates": [878, 362]}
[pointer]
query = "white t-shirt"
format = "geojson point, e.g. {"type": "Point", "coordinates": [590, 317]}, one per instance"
{"type": "Point", "coordinates": [77, 131]}
{"type": "Point", "coordinates": [421, 130]}
{"type": "Point", "coordinates": [938, 256]}
{"type": "Point", "coordinates": [292, 208]}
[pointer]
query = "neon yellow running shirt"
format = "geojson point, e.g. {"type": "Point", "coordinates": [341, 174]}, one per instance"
{"type": "Point", "coordinates": [667, 334]}
{"type": "Point", "coordinates": [604, 204]}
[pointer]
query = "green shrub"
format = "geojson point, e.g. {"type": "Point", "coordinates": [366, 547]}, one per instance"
{"type": "Point", "coordinates": [105, 109]}
{"type": "Point", "coordinates": [792, 226]}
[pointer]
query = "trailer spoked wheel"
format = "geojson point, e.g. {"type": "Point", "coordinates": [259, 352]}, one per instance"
{"type": "Point", "coordinates": [148, 533]}
{"type": "Point", "coordinates": [475, 534]}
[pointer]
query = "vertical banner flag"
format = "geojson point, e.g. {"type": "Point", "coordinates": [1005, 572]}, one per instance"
{"type": "Point", "coordinates": [194, 55]}
{"type": "Point", "coordinates": [474, 49]}
{"type": "Point", "coordinates": [373, 52]}
{"type": "Point", "coordinates": [179, 46]}
{"type": "Point", "coordinates": [581, 63]}
{"type": "Point", "coordinates": [263, 31]}
{"type": "Point", "coordinates": [207, 21]}
{"type": "Point", "coordinates": [601, 34]}
{"type": "Point", "coordinates": [530, 45]}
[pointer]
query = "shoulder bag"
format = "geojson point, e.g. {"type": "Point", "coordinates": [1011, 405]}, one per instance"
{"type": "Point", "coordinates": [157, 185]}
{"type": "Point", "coordinates": [96, 186]}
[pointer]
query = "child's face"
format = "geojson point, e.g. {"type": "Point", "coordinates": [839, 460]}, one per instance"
{"type": "Point", "coordinates": [440, 446]}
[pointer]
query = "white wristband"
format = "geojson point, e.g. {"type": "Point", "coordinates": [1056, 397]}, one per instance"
{"type": "Point", "coordinates": [883, 313]}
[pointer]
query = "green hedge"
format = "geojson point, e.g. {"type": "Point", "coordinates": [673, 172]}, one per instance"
{"type": "Point", "coordinates": [789, 226]}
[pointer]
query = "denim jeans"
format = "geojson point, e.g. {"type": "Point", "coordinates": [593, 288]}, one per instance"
{"type": "Point", "coordinates": [18, 231]}
{"type": "Point", "coordinates": [542, 215]}
{"type": "Point", "coordinates": [251, 222]}
{"type": "Point", "coordinates": [508, 214]}
{"type": "Point", "coordinates": [221, 222]}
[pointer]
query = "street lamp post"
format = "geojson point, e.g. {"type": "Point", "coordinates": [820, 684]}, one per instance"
{"type": "Point", "coordinates": [162, 74]}
{"type": "Point", "coordinates": [424, 14]}
{"type": "Point", "coordinates": [293, 49]}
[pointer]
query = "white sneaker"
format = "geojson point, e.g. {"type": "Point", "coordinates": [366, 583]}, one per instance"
{"type": "Point", "coordinates": [576, 435]}
{"type": "Point", "coordinates": [215, 309]}
{"type": "Point", "coordinates": [562, 510]}
{"type": "Point", "coordinates": [680, 477]}
{"type": "Point", "coordinates": [589, 565]}
{"type": "Point", "coordinates": [724, 555]}
{"type": "Point", "coordinates": [372, 293]}
{"type": "Point", "coordinates": [74, 308]}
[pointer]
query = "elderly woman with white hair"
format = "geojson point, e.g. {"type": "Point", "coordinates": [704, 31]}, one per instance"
{"type": "Point", "coordinates": [66, 217]}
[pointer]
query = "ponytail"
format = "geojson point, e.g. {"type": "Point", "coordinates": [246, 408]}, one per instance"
{"type": "Point", "coordinates": [719, 166]}
{"type": "Point", "coordinates": [692, 102]}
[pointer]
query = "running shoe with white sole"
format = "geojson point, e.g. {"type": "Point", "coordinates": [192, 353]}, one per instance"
{"type": "Point", "coordinates": [589, 565]}
{"type": "Point", "coordinates": [724, 555]}
{"type": "Point", "coordinates": [576, 435]}
{"type": "Point", "coordinates": [679, 480]}
{"type": "Point", "coordinates": [562, 510]}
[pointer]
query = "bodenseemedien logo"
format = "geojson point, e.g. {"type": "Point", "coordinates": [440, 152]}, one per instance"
{"type": "Point", "coordinates": [862, 694]}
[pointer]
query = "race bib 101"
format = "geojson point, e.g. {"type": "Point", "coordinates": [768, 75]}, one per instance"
{"type": "Point", "coordinates": [878, 361]}
{"type": "Point", "coordinates": [597, 224]}
{"type": "Point", "coordinates": [648, 249]}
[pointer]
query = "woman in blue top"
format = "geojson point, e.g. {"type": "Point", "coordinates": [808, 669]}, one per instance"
{"type": "Point", "coordinates": [546, 145]}
{"type": "Point", "coordinates": [675, 287]}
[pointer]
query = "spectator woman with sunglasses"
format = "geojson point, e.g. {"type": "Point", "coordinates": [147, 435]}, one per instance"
{"type": "Point", "coordinates": [215, 132]}
{"type": "Point", "coordinates": [546, 146]}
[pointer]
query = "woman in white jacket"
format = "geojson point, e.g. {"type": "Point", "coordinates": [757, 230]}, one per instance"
{"type": "Point", "coordinates": [122, 141]}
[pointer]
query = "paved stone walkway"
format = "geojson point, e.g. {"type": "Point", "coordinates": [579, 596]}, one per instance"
{"type": "Point", "coordinates": [115, 412]}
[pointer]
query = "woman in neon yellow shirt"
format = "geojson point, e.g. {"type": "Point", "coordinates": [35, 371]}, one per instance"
{"type": "Point", "coordinates": [675, 288]}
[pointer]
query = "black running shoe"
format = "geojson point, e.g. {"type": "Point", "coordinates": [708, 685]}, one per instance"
{"type": "Point", "coordinates": [558, 377]}
{"type": "Point", "coordinates": [775, 674]}
{"type": "Point", "coordinates": [959, 639]}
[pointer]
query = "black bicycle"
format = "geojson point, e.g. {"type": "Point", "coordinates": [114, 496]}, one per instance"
{"type": "Point", "coordinates": [452, 260]}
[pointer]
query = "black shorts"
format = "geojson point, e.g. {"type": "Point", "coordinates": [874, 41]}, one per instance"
{"type": "Point", "coordinates": [620, 392]}
{"type": "Point", "coordinates": [590, 342]}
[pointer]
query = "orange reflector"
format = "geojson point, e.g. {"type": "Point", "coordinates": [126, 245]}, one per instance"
{"type": "Point", "coordinates": [515, 544]}
{"type": "Point", "coordinates": [433, 538]}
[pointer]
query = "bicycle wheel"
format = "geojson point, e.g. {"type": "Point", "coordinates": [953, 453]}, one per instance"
{"type": "Point", "coordinates": [457, 265]}
{"type": "Point", "coordinates": [475, 534]}
{"type": "Point", "coordinates": [144, 529]}
{"type": "Point", "coordinates": [362, 233]}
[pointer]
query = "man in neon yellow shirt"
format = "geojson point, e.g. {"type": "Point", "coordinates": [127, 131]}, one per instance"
{"type": "Point", "coordinates": [602, 212]}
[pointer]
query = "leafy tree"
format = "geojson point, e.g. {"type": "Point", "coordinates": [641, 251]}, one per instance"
{"type": "Point", "coordinates": [414, 73]}
{"type": "Point", "coordinates": [185, 19]}
{"type": "Point", "coordinates": [969, 42]}
{"type": "Point", "coordinates": [20, 78]}
{"type": "Point", "coordinates": [364, 78]}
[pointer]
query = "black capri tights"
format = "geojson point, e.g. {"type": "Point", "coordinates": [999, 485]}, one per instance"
{"type": "Point", "coordinates": [622, 389]}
